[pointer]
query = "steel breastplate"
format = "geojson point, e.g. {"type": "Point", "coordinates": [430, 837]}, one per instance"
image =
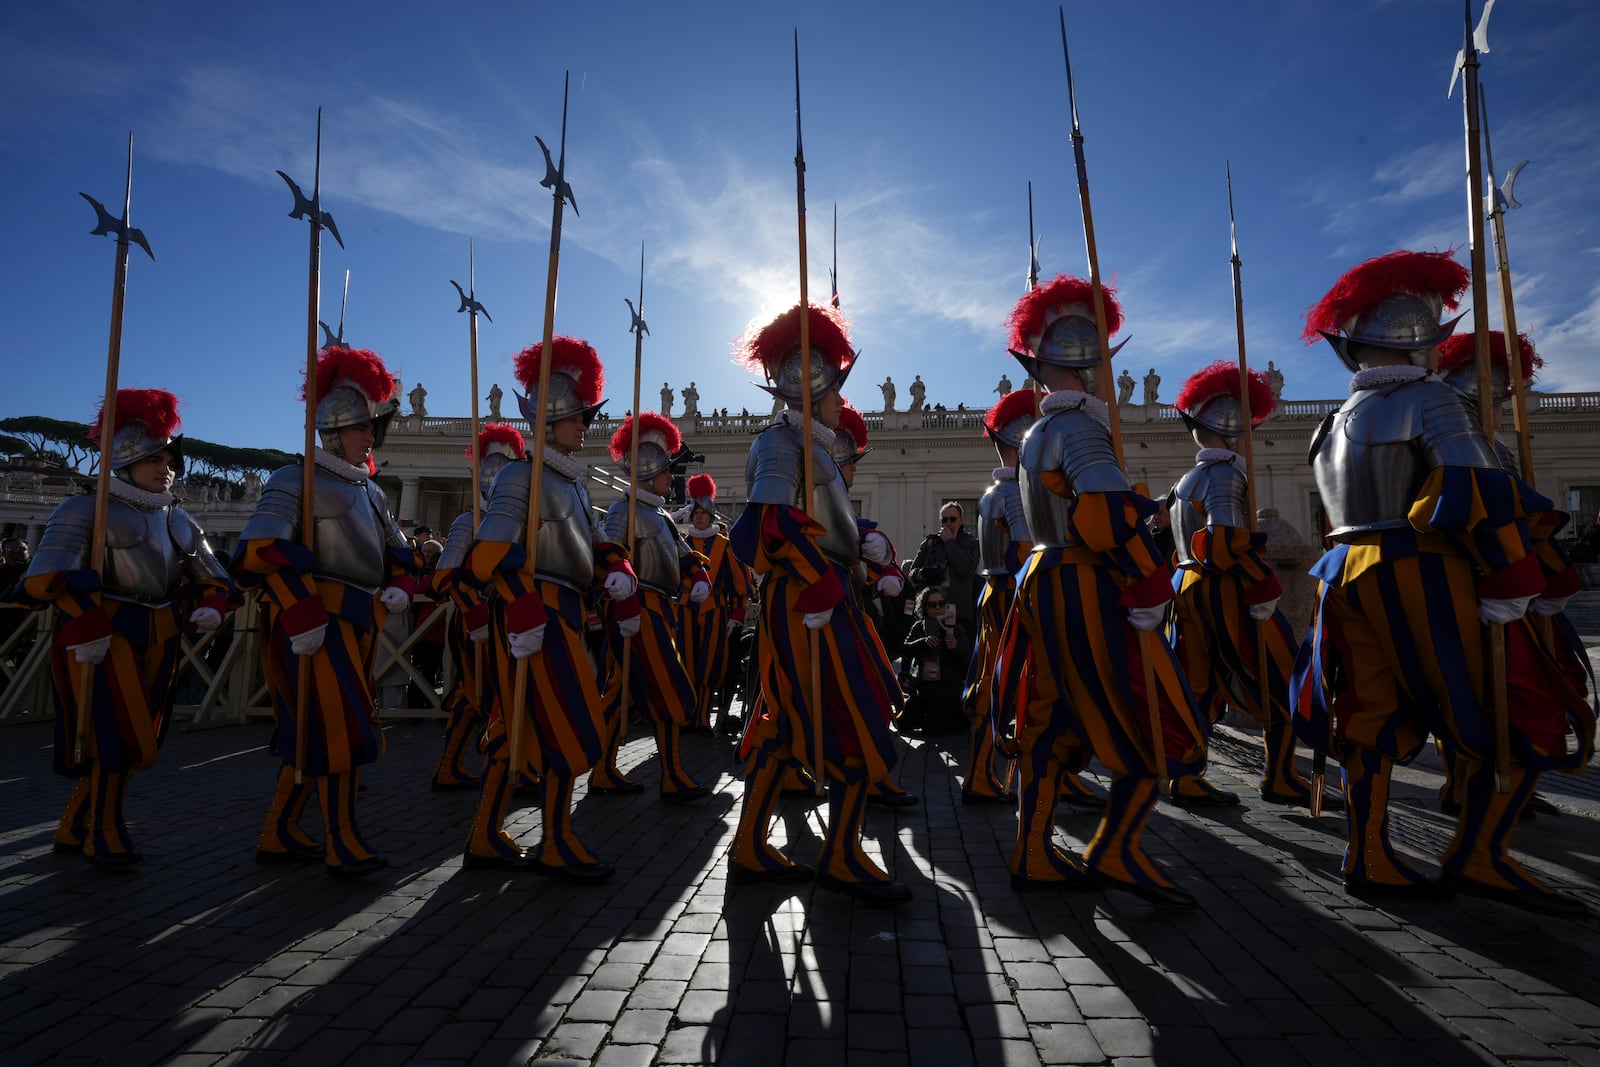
{"type": "Point", "coordinates": [567, 532]}
{"type": "Point", "coordinates": [1076, 445]}
{"type": "Point", "coordinates": [456, 543]}
{"type": "Point", "coordinates": [994, 535]}
{"type": "Point", "coordinates": [656, 549]}
{"type": "Point", "coordinates": [774, 474]}
{"type": "Point", "coordinates": [351, 537]}
{"type": "Point", "coordinates": [1208, 494]}
{"type": "Point", "coordinates": [1372, 456]}
{"type": "Point", "coordinates": [141, 563]}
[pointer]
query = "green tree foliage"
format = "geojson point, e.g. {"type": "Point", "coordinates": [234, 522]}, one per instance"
{"type": "Point", "coordinates": [69, 440]}
{"type": "Point", "coordinates": [14, 446]}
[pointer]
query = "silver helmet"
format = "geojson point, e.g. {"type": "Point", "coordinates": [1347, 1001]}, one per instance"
{"type": "Point", "coordinates": [1390, 302]}
{"type": "Point", "coordinates": [1055, 324]}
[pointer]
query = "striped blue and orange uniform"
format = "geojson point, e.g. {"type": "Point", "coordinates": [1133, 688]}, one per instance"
{"type": "Point", "coordinates": [474, 688]}
{"type": "Point", "coordinates": [1219, 642]}
{"type": "Point", "coordinates": [706, 635]}
{"type": "Point", "coordinates": [994, 652]}
{"type": "Point", "coordinates": [342, 729]}
{"type": "Point", "coordinates": [129, 693]}
{"type": "Point", "coordinates": [1085, 689]}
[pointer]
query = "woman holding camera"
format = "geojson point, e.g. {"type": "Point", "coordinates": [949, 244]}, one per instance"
{"type": "Point", "coordinates": [934, 660]}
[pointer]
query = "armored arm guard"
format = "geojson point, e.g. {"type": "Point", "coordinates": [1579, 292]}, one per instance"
{"type": "Point", "coordinates": [1226, 496]}
{"type": "Point", "coordinates": [505, 520]}
{"type": "Point", "coordinates": [775, 467]}
{"type": "Point", "coordinates": [393, 536]}
{"type": "Point", "coordinates": [202, 570]}
{"type": "Point", "coordinates": [1450, 437]}
{"type": "Point", "coordinates": [65, 544]}
{"type": "Point", "coordinates": [616, 524]}
{"type": "Point", "coordinates": [277, 514]}
{"type": "Point", "coordinates": [456, 543]}
{"type": "Point", "coordinates": [1065, 455]}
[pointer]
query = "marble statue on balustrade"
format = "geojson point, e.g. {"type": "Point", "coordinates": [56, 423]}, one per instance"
{"type": "Point", "coordinates": [1004, 385]}
{"type": "Point", "coordinates": [666, 399]}
{"type": "Point", "coordinates": [888, 393]}
{"type": "Point", "coordinates": [419, 405]}
{"type": "Point", "coordinates": [1275, 380]}
{"type": "Point", "coordinates": [919, 395]}
{"type": "Point", "coordinates": [495, 393]}
{"type": "Point", "coordinates": [1125, 384]}
{"type": "Point", "coordinates": [252, 487]}
{"type": "Point", "coordinates": [691, 402]}
{"type": "Point", "coordinates": [1152, 387]}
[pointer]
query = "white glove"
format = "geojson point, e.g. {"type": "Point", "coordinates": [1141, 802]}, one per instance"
{"type": "Point", "coordinates": [890, 585]}
{"type": "Point", "coordinates": [734, 626]}
{"type": "Point", "coordinates": [698, 592]}
{"type": "Point", "coordinates": [629, 627]}
{"type": "Point", "coordinates": [1546, 606]}
{"type": "Point", "coordinates": [395, 599]}
{"type": "Point", "coordinates": [205, 619]}
{"type": "Point", "coordinates": [527, 642]}
{"type": "Point", "coordinates": [91, 651]}
{"type": "Point", "coordinates": [875, 548]}
{"type": "Point", "coordinates": [816, 620]}
{"type": "Point", "coordinates": [1503, 611]}
{"type": "Point", "coordinates": [307, 643]}
{"type": "Point", "coordinates": [619, 586]}
{"type": "Point", "coordinates": [1263, 611]}
{"type": "Point", "coordinates": [480, 635]}
{"type": "Point", "coordinates": [1147, 618]}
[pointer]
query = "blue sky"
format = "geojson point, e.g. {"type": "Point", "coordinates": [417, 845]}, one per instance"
{"type": "Point", "coordinates": [924, 123]}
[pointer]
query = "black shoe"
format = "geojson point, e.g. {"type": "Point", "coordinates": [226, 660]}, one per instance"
{"type": "Point", "coordinates": [499, 861]}
{"type": "Point", "coordinates": [1085, 802]}
{"type": "Point", "coordinates": [893, 800]}
{"type": "Point", "coordinates": [875, 894]}
{"type": "Point", "coordinates": [627, 785]}
{"type": "Point", "coordinates": [1558, 905]}
{"type": "Point", "coordinates": [65, 847]}
{"type": "Point", "coordinates": [116, 861]}
{"type": "Point", "coordinates": [1167, 896]}
{"type": "Point", "coordinates": [313, 854]}
{"type": "Point", "coordinates": [456, 787]}
{"type": "Point", "coordinates": [987, 798]}
{"type": "Point", "coordinates": [1212, 798]}
{"type": "Point", "coordinates": [358, 869]}
{"type": "Point", "coordinates": [800, 791]}
{"type": "Point", "coordinates": [739, 874]}
{"type": "Point", "coordinates": [1081, 884]}
{"type": "Point", "coordinates": [685, 796]}
{"type": "Point", "coordinates": [1367, 889]}
{"type": "Point", "coordinates": [575, 872]}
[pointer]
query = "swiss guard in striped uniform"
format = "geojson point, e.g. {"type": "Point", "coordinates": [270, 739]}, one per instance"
{"type": "Point", "coordinates": [878, 574]}
{"type": "Point", "coordinates": [499, 443]}
{"type": "Point", "coordinates": [1003, 543]}
{"type": "Point", "coordinates": [1092, 583]}
{"type": "Point", "coordinates": [714, 619]}
{"type": "Point", "coordinates": [322, 611]}
{"type": "Point", "coordinates": [1556, 636]}
{"type": "Point", "coordinates": [541, 618]}
{"type": "Point", "coordinates": [805, 552]}
{"type": "Point", "coordinates": [1225, 590]}
{"type": "Point", "coordinates": [123, 620]}
{"type": "Point", "coordinates": [1432, 558]}
{"type": "Point", "coordinates": [658, 683]}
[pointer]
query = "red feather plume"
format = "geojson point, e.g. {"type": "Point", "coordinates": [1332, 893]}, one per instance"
{"type": "Point", "coordinates": [1366, 284]}
{"type": "Point", "coordinates": [761, 347]}
{"type": "Point", "coordinates": [851, 422]}
{"type": "Point", "coordinates": [499, 433]}
{"type": "Point", "coordinates": [573, 357]}
{"type": "Point", "coordinates": [1459, 349]}
{"type": "Point", "coordinates": [1029, 313]}
{"type": "Point", "coordinates": [157, 409]}
{"type": "Point", "coordinates": [622, 440]}
{"type": "Point", "coordinates": [1222, 379]}
{"type": "Point", "coordinates": [359, 365]}
{"type": "Point", "coordinates": [1014, 405]}
{"type": "Point", "coordinates": [702, 485]}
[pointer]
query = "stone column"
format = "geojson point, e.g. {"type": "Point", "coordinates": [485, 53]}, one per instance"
{"type": "Point", "coordinates": [410, 498]}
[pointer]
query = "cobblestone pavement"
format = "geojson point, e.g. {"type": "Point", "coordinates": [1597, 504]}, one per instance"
{"type": "Point", "coordinates": [200, 956]}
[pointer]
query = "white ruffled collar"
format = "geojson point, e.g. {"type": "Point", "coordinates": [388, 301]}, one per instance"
{"type": "Point", "coordinates": [1374, 377]}
{"type": "Point", "coordinates": [1219, 455]}
{"type": "Point", "coordinates": [790, 417]}
{"type": "Point", "coordinates": [566, 466]}
{"type": "Point", "coordinates": [646, 497]}
{"type": "Point", "coordinates": [142, 499]}
{"type": "Point", "coordinates": [1064, 399]}
{"type": "Point", "coordinates": [1005, 474]}
{"type": "Point", "coordinates": [338, 467]}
